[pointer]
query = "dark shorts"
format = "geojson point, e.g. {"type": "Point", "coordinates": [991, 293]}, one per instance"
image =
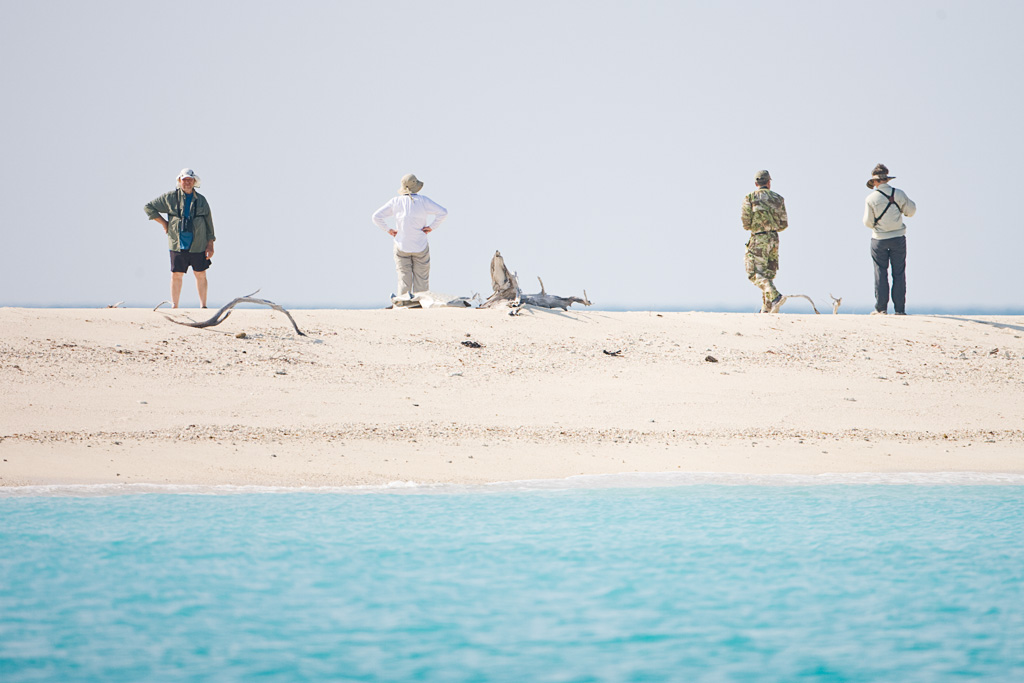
{"type": "Point", "coordinates": [181, 260]}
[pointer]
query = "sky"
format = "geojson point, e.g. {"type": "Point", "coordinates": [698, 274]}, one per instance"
{"type": "Point", "coordinates": [602, 146]}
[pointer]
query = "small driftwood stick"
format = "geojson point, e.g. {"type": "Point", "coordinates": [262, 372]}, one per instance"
{"type": "Point", "coordinates": [835, 303]}
{"type": "Point", "coordinates": [224, 312]}
{"type": "Point", "coordinates": [786, 297]}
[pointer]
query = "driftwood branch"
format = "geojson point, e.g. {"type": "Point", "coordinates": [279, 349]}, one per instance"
{"type": "Point", "coordinates": [545, 300]}
{"type": "Point", "coordinates": [222, 315]}
{"type": "Point", "coordinates": [786, 297]}
{"type": "Point", "coordinates": [835, 303]}
{"type": "Point", "coordinates": [506, 290]}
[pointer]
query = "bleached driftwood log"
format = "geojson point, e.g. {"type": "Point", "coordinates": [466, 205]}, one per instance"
{"type": "Point", "coordinates": [432, 300]}
{"type": "Point", "coordinates": [222, 315]}
{"type": "Point", "coordinates": [545, 300]}
{"type": "Point", "coordinates": [835, 303]}
{"type": "Point", "coordinates": [506, 290]}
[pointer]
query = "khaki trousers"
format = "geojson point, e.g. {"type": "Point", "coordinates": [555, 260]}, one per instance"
{"type": "Point", "coordinates": [413, 271]}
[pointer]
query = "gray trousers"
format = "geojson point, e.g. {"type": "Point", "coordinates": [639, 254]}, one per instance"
{"type": "Point", "coordinates": [884, 253]}
{"type": "Point", "coordinates": [413, 271]}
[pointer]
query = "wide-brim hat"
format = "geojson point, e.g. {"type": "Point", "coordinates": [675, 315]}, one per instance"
{"type": "Point", "coordinates": [410, 184]}
{"type": "Point", "coordinates": [880, 173]}
{"type": "Point", "coordinates": [189, 173]}
{"type": "Point", "coordinates": [881, 177]}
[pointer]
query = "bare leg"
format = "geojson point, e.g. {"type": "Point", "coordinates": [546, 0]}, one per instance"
{"type": "Point", "coordinates": [201, 285]}
{"type": "Point", "coordinates": [176, 288]}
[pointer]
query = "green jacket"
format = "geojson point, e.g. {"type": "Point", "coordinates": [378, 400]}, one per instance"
{"type": "Point", "coordinates": [173, 204]}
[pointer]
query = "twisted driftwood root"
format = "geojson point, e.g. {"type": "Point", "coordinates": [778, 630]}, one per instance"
{"type": "Point", "coordinates": [224, 312]}
{"type": "Point", "coordinates": [503, 282]}
{"type": "Point", "coordinates": [836, 303]}
{"type": "Point", "coordinates": [506, 290]}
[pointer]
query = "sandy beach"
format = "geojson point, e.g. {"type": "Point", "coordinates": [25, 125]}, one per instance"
{"type": "Point", "coordinates": [380, 396]}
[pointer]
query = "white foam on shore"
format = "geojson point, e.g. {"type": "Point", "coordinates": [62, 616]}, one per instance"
{"type": "Point", "coordinates": [582, 482]}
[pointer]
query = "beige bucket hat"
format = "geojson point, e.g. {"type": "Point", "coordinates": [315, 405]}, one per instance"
{"type": "Point", "coordinates": [410, 184]}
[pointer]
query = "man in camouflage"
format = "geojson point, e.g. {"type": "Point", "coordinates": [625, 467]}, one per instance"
{"type": "Point", "coordinates": [764, 215]}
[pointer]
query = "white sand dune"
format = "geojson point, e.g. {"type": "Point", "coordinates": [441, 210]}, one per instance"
{"type": "Point", "coordinates": [124, 396]}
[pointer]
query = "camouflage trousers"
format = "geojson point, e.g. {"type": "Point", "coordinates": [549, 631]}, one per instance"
{"type": "Point", "coordinates": [762, 263]}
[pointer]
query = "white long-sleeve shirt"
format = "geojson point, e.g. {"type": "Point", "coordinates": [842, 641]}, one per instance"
{"type": "Point", "coordinates": [412, 213]}
{"type": "Point", "coordinates": [891, 224]}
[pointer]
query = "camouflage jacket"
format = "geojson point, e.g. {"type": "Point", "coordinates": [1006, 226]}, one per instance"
{"type": "Point", "coordinates": [764, 211]}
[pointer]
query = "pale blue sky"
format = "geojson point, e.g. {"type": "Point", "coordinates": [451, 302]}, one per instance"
{"type": "Point", "coordinates": [601, 145]}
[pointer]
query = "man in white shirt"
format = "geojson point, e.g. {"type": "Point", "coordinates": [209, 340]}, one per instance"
{"type": "Point", "coordinates": [884, 210]}
{"type": "Point", "coordinates": [415, 217]}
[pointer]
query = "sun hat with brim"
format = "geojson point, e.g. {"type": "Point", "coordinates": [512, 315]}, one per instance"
{"type": "Point", "coordinates": [189, 173]}
{"type": "Point", "coordinates": [879, 173]}
{"type": "Point", "coordinates": [881, 178]}
{"type": "Point", "coordinates": [410, 184]}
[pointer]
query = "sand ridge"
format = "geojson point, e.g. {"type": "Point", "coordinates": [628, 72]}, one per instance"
{"type": "Point", "coordinates": [372, 396]}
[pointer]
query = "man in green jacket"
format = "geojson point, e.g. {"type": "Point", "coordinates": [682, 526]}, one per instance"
{"type": "Point", "coordinates": [189, 228]}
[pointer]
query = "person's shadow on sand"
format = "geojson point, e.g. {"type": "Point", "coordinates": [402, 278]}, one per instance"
{"type": "Point", "coordinates": [1002, 326]}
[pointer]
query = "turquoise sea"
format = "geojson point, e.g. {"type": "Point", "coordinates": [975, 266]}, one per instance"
{"type": "Point", "coordinates": [645, 582]}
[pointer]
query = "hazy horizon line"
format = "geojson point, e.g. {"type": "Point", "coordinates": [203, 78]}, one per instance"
{"type": "Point", "coordinates": [806, 309]}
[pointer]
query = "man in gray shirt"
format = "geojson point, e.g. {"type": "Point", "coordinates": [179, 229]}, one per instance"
{"type": "Point", "coordinates": [884, 210]}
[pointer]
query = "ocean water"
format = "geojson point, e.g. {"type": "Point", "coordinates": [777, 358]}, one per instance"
{"type": "Point", "coordinates": [700, 582]}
